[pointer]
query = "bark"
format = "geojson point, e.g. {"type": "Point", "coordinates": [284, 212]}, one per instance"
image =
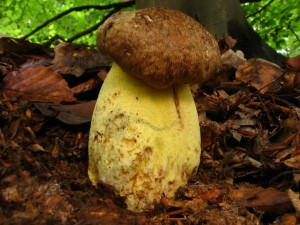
{"type": "Point", "coordinates": [220, 17]}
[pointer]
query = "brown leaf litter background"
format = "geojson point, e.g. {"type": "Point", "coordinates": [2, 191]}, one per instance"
{"type": "Point", "coordinates": [250, 127]}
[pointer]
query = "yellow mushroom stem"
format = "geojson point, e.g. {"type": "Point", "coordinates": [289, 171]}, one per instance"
{"type": "Point", "coordinates": [144, 142]}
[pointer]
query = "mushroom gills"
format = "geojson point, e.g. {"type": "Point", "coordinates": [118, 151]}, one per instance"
{"type": "Point", "coordinates": [143, 142]}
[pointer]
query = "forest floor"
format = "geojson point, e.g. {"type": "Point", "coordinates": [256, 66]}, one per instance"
{"type": "Point", "coordinates": [250, 127]}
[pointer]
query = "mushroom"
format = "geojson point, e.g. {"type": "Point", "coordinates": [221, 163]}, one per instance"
{"type": "Point", "coordinates": [145, 136]}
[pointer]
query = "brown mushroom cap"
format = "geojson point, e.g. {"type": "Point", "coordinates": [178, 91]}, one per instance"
{"type": "Point", "coordinates": [160, 46]}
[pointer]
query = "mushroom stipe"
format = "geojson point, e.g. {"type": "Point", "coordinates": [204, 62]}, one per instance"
{"type": "Point", "coordinates": [143, 142]}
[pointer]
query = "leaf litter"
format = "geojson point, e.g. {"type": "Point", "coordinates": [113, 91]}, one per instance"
{"type": "Point", "coordinates": [249, 117]}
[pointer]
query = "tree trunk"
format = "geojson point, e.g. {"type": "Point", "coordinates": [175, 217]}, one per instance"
{"type": "Point", "coordinates": [220, 17]}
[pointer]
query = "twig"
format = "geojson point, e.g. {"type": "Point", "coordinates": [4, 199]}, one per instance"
{"type": "Point", "coordinates": [52, 39]}
{"type": "Point", "coordinates": [80, 8]}
{"type": "Point", "coordinates": [293, 32]}
{"type": "Point", "coordinates": [265, 108]}
{"type": "Point", "coordinates": [261, 9]}
{"type": "Point", "coordinates": [289, 26]}
{"type": "Point", "coordinates": [275, 80]}
{"type": "Point", "coordinates": [176, 219]}
{"type": "Point", "coordinates": [247, 1]}
{"type": "Point", "coordinates": [285, 173]}
{"type": "Point", "coordinates": [91, 29]}
{"type": "Point", "coordinates": [176, 212]}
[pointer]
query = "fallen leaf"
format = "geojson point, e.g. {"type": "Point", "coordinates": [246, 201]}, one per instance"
{"type": "Point", "coordinates": [88, 85]}
{"type": "Point", "coordinates": [4, 69]}
{"type": "Point", "coordinates": [239, 159]}
{"type": "Point", "coordinates": [14, 45]}
{"type": "Point", "coordinates": [69, 60]}
{"type": "Point", "coordinates": [230, 41]}
{"type": "Point", "coordinates": [53, 200]}
{"type": "Point", "coordinates": [261, 74]}
{"type": "Point", "coordinates": [292, 80]}
{"type": "Point", "coordinates": [102, 74]}
{"type": "Point", "coordinates": [209, 130]}
{"type": "Point", "coordinates": [11, 194]}
{"type": "Point", "coordinates": [284, 153]}
{"type": "Point", "coordinates": [293, 162]}
{"type": "Point", "coordinates": [294, 197]}
{"type": "Point", "coordinates": [37, 83]}
{"type": "Point", "coordinates": [267, 200]}
{"type": "Point", "coordinates": [2, 140]}
{"type": "Point", "coordinates": [211, 194]}
{"type": "Point", "coordinates": [288, 220]}
{"type": "Point", "coordinates": [69, 114]}
{"type": "Point", "coordinates": [36, 148]}
{"type": "Point", "coordinates": [296, 179]}
{"type": "Point", "coordinates": [14, 127]}
{"type": "Point", "coordinates": [232, 59]}
{"type": "Point", "coordinates": [293, 62]}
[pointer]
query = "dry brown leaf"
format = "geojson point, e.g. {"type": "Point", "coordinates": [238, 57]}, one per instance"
{"type": "Point", "coordinates": [14, 45]}
{"type": "Point", "coordinates": [36, 148]}
{"type": "Point", "coordinates": [14, 127]}
{"type": "Point", "coordinates": [293, 162]}
{"type": "Point", "coordinates": [230, 41]}
{"type": "Point", "coordinates": [37, 83]}
{"type": "Point", "coordinates": [204, 191]}
{"type": "Point", "coordinates": [294, 197]}
{"type": "Point", "coordinates": [289, 220]}
{"type": "Point", "coordinates": [69, 114]}
{"type": "Point", "coordinates": [199, 195]}
{"type": "Point", "coordinates": [69, 60]}
{"type": "Point", "coordinates": [284, 153]}
{"type": "Point", "coordinates": [292, 80]}
{"type": "Point", "coordinates": [88, 85]}
{"type": "Point", "coordinates": [209, 130]}
{"type": "Point", "coordinates": [261, 74]}
{"type": "Point", "coordinates": [11, 194]}
{"type": "Point", "coordinates": [195, 204]}
{"type": "Point", "coordinates": [2, 140]}
{"type": "Point", "coordinates": [102, 74]}
{"type": "Point", "coordinates": [293, 62]}
{"type": "Point", "coordinates": [4, 69]}
{"type": "Point", "coordinates": [52, 199]}
{"type": "Point", "coordinates": [292, 122]}
{"type": "Point", "coordinates": [267, 200]}
{"type": "Point", "coordinates": [239, 159]}
{"type": "Point", "coordinates": [211, 194]}
{"type": "Point", "coordinates": [231, 59]}
{"type": "Point", "coordinates": [244, 124]}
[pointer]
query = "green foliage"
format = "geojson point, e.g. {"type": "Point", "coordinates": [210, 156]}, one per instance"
{"type": "Point", "coordinates": [277, 22]}
{"type": "Point", "coordinates": [19, 17]}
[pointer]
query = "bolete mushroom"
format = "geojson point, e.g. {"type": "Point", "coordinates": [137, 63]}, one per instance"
{"type": "Point", "coordinates": [145, 135]}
